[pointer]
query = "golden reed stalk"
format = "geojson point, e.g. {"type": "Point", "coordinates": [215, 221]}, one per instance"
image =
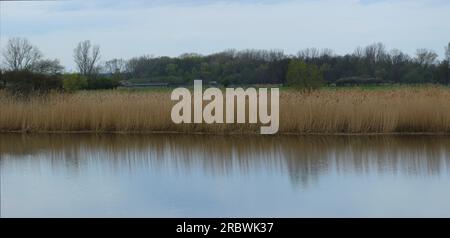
{"type": "Point", "coordinates": [401, 110]}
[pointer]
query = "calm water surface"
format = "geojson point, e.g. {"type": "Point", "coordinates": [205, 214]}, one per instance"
{"type": "Point", "coordinates": [224, 176]}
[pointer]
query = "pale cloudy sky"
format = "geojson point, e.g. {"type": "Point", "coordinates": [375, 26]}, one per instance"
{"type": "Point", "coordinates": [170, 27]}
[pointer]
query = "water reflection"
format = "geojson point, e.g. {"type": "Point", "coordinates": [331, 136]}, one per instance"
{"type": "Point", "coordinates": [258, 165]}
{"type": "Point", "coordinates": [304, 157]}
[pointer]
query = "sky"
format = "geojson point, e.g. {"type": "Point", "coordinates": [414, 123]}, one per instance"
{"type": "Point", "coordinates": [125, 29]}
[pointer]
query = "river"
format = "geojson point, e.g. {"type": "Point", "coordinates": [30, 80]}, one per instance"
{"type": "Point", "coordinates": [114, 175]}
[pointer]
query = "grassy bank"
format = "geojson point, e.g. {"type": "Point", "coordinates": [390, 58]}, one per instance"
{"type": "Point", "coordinates": [401, 110]}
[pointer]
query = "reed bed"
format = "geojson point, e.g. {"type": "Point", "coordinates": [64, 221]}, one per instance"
{"type": "Point", "coordinates": [401, 110]}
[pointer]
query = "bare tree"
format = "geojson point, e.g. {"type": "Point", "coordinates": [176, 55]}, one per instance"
{"type": "Point", "coordinates": [426, 57]}
{"type": "Point", "coordinates": [47, 66]}
{"type": "Point", "coordinates": [86, 57]}
{"type": "Point", "coordinates": [327, 52]}
{"type": "Point", "coordinates": [375, 53]}
{"type": "Point", "coordinates": [308, 53]}
{"type": "Point", "coordinates": [447, 52]}
{"type": "Point", "coordinates": [314, 53]}
{"type": "Point", "coordinates": [359, 52]}
{"type": "Point", "coordinates": [20, 54]}
{"type": "Point", "coordinates": [115, 66]}
{"type": "Point", "coordinates": [396, 56]}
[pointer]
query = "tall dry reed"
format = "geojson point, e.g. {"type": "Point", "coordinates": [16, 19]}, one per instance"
{"type": "Point", "coordinates": [400, 110]}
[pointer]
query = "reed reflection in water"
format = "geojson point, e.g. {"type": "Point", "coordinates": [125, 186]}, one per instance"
{"type": "Point", "coordinates": [75, 175]}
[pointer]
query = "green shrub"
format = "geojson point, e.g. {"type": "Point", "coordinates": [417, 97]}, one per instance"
{"type": "Point", "coordinates": [103, 83]}
{"type": "Point", "coordinates": [25, 82]}
{"type": "Point", "coordinates": [74, 82]}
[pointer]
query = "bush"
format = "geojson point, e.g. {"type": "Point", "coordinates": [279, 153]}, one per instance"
{"type": "Point", "coordinates": [74, 82]}
{"type": "Point", "coordinates": [26, 82]}
{"type": "Point", "coordinates": [103, 83]}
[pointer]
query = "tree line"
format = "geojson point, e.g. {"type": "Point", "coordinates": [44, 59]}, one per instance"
{"type": "Point", "coordinates": [25, 69]}
{"type": "Point", "coordinates": [310, 66]}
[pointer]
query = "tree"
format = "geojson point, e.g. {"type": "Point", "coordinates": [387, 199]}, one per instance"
{"type": "Point", "coordinates": [2, 79]}
{"type": "Point", "coordinates": [397, 65]}
{"type": "Point", "coordinates": [86, 57]}
{"type": "Point", "coordinates": [115, 66]}
{"type": "Point", "coordinates": [375, 53]}
{"type": "Point", "coordinates": [171, 69]}
{"type": "Point", "coordinates": [447, 52]}
{"type": "Point", "coordinates": [444, 72]}
{"type": "Point", "coordinates": [426, 57]}
{"type": "Point", "coordinates": [314, 53]}
{"type": "Point", "coordinates": [304, 76]}
{"type": "Point", "coordinates": [371, 59]}
{"type": "Point", "coordinates": [47, 66]}
{"type": "Point", "coordinates": [25, 82]}
{"type": "Point", "coordinates": [308, 53]}
{"type": "Point", "coordinates": [20, 54]}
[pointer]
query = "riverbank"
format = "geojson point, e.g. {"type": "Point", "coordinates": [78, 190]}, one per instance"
{"type": "Point", "coordinates": [349, 111]}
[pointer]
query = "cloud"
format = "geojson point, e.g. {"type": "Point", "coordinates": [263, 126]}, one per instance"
{"type": "Point", "coordinates": [125, 29]}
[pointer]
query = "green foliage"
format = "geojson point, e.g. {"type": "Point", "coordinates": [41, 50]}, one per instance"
{"type": "Point", "coordinates": [102, 83]}
{"type": "Point", "coordinates": [171, 69]}
{"type": "Point", "coordinates": [230, 67]}
{"type": "Point", "coordinates": [74, 82]}
{"type": "Point", "coordinates": [308, 70]}
{"type": "Point", "coordinates": [417, 75]}
{"type": "Point", "coordinates": [271, 67]}
{"type": "Point", "coordinates": [117, 77]}
{"type": "Point", "coordinates": [2, 80]}
{"type": "Point", "coordinates": [412, 76]}
{"type": "Point", "coordinates": [25, 82]}
{"type": "Point", "coordinates": [444, 72]}
{"type": "Point", "coordinates": [304, 76]}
